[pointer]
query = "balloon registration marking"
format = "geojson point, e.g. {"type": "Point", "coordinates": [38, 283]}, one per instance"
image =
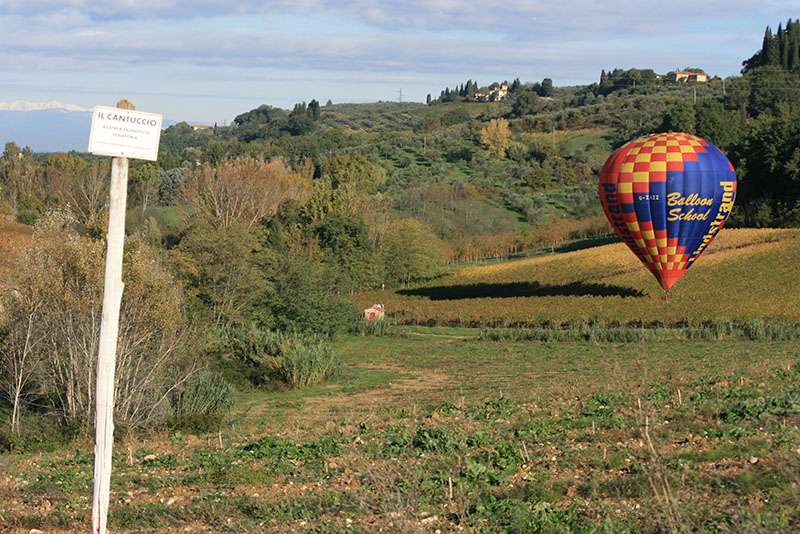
{"type": "Point", "coordinates": [667, 195]}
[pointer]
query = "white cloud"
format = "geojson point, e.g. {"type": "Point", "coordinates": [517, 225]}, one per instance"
{"type": "Point", "coordinates": [239, 47]}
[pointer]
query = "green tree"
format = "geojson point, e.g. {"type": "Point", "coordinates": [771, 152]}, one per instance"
{"type": "Point", "coordinates": [313, 110]}
{"type": "Point", "coordinates": [307, 296]}
{"type": "Point", "coordinates": [681, 118]}
{"type": "Point", "coordinates": [772, 88]}
{"type": "Point", "coordinates": [354, 169]}
{"type": "Point", "coordinates": [538, 179]}
{"type": "Point", "coordinates": [524, 103]}
{"type": "Point", "coordinates": [769, 167]}
{"type": "Point", "coordinates": [300, 120]}
{"type": "Point", "coordinates": [410, 251]}
{"type": "Point", "coordinates": [346, 244]}
{"type": "Point", "coordinates": [429, 124]}
{"type": "Point", "coordinates": [222, 270]}
{"type": "Point", "coordinates": [722, 127]}
{"type": "Point", "coordinates": [344, 188]}
{"type": "Point", "coordinates": [547, 87]}
{"type": "Point", "coordinates": [144, 182]}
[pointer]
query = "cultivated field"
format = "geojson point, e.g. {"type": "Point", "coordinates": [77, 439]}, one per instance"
{"type": "Point", "coordinates": [745, 274]}
{"type": "Point", "coordinates": [441, 432]}
{"type": "Point", "coordinates": [442, 429]}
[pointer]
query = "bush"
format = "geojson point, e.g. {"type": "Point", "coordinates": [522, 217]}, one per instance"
{"type": "Point", "coordinates": [296, 359]}
{"type": "Point", "coordinates": [754, 330]}
{"type": "Point", "coordinates": [362, 327]}
{"type": "Point", "coordinates": [28, 217]}
{"type": "Point", "coordinates": [205, 399]}
{"type": "Point", "coordinates": [304, 360]}
{"type": "Point", "coordinates": [38, 433]}
{"type": "Point", "coordinates": [48, 359]}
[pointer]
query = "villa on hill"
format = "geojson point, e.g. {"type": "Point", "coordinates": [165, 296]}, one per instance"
{"type": "Point", "coordinates": [686, 76]}
{"type": "Point", "coordinates": [498, 93]}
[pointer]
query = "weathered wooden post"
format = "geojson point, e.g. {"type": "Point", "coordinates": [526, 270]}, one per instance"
{"type": "Point", "coordinates": [117, 134]}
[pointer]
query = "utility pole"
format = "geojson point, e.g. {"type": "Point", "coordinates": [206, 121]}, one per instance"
{"type": "Point", "coordinates": [400, 96]}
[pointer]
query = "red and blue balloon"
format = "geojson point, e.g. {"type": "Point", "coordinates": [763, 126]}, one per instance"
{"type": "Point", "coordinates": [667, 195]}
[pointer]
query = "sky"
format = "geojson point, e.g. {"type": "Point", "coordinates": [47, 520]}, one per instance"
{"type": "Point", "coordinates": [207, 61]}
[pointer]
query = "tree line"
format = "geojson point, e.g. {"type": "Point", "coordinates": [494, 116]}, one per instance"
{"type": "Point", "coordinates": [257, 247]}
{"type": "Point", "coordinates": [779, 50]}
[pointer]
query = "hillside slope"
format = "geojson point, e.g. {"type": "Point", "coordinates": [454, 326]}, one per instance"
{"type": "Point", "coordinates": [746, 274]}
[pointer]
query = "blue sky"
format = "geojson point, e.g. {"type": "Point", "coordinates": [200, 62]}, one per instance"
{"type": "Point", "coordinates": [208, 61]}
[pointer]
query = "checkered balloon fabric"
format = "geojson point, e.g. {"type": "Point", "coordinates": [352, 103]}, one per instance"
{"type": "Point", "coordinates": [667, 195]}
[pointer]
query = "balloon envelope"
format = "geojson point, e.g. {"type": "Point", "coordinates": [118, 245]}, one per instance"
{"type": "Point", "coordinates": [667, 195]}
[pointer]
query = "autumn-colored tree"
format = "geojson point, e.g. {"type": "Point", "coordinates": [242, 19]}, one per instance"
{"type": "Point", "coordinates": [242, 190]}
{"type": "Point", "coordinates": [81, 186]}
{"type": "Point", "coordinates": [54, 312]}
{"type": "Point", "coordinates": [496, 136]}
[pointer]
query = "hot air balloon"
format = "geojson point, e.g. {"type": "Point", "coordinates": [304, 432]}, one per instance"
{"type": "Point", "coordinates": [667, 195]}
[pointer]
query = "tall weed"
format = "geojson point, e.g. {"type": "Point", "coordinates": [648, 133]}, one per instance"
{"type": "Point", "coordinates": [296, 359]}
{"type": "Point", "coordinates": [303, 360]}
{"type": "Point", "coordinates": [203, 402]}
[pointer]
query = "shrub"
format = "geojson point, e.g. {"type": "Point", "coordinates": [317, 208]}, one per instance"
{"type": "Point", "coordinates": [754, 330]}
{"type": "Point", "coordinates": [296, 359]}
{"type": "Point", "coordinates": [48, 360]}
{"type": "Point", "coordinates": [304, 360]}
{"type": "Point", "coordinates": [203, 401]}
{"type": "Point", "coordinates": [28, 217]}
{"type": "Point", "coordinates": [362, 327]}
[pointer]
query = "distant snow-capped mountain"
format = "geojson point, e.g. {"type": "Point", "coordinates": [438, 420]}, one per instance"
{"type": "Point", "coordinates": [47, 126]}
{"type": "Point", "coordinates": [21, 105]}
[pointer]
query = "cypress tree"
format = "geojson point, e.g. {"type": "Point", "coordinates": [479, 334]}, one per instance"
{"type": "Point", "coordinates": [313, 110]}
{"type": "Point", "coordinates": [783, 46]}
{"type": "Point", "coordinates": [793, 29]}
{"type": "Point", "coordinates": [771, 50]}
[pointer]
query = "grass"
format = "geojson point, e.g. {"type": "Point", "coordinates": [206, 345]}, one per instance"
{"type": "Point", "coordinates": [439, 430]}
{"type": "Point", "coordinates": [454, 429]}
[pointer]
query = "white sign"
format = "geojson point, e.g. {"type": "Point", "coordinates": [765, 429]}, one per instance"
{"type": "Point", "coordinates": [125, 133]}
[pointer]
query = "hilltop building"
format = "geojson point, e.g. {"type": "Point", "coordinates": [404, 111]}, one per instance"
{"type": "Point", "coordinates": [686, 76]}
{"type": "Point", "coordinates": [498, 93]}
